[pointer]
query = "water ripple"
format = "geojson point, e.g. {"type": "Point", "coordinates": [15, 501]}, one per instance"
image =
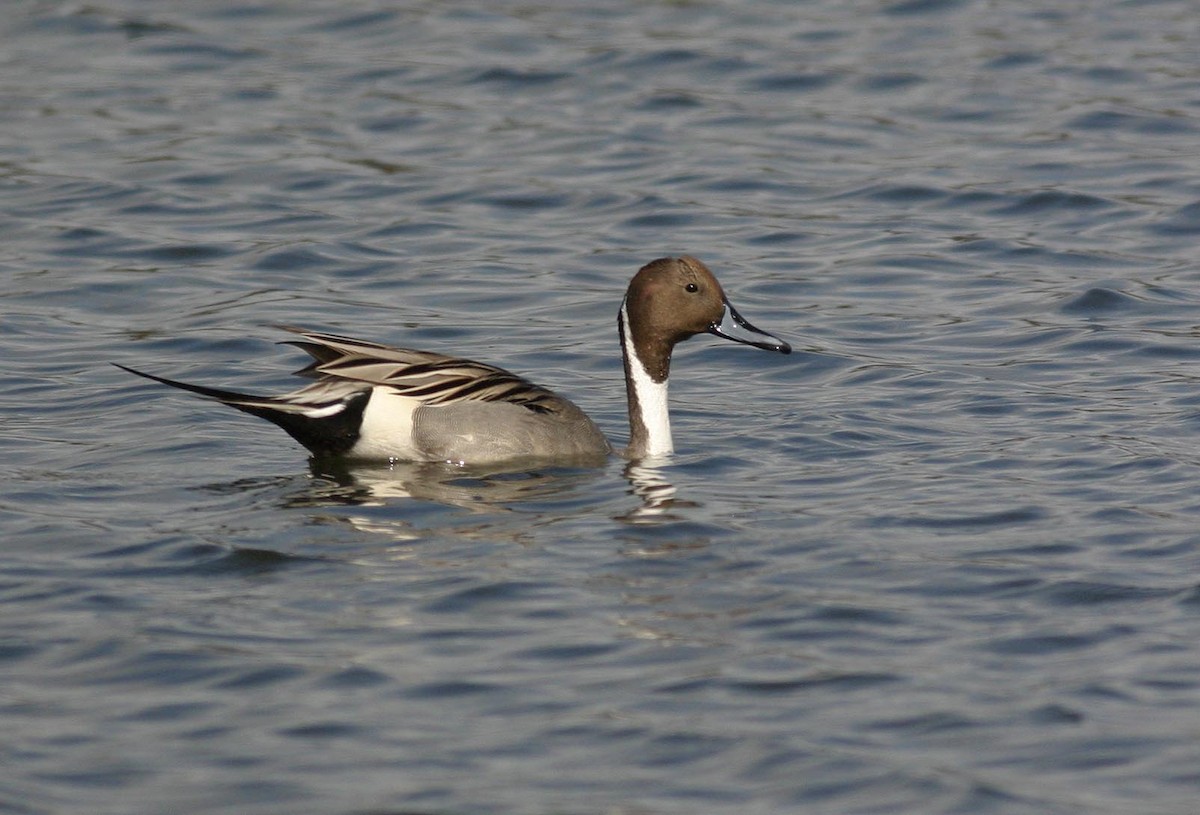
{"type": "Point", "coordinates": [940, 560]}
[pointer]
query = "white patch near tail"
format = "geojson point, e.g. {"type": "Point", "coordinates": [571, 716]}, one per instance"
{"type": "Point", "coordinates": [325, 412]}
{"type": "Point", "coordinates": [387, 425]}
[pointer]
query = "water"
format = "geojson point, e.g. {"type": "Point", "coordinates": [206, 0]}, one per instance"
{"type": "Point", "coordinates": [943, 559]}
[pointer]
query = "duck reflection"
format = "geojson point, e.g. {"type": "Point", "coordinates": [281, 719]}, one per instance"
{"type": "Point", "coordinates": [649, 480]}
{"type": "Point", "coordinates": [474, 489]}
{"type": "Point", "coordinates": [483, 490]}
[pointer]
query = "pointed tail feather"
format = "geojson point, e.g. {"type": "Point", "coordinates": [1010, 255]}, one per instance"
{"type": "Point", "coordinates": [265, 407]}
{"type": "Point", "coordinates": [245, 401]}
{"type": "Point", "coordinates": [333, 433]}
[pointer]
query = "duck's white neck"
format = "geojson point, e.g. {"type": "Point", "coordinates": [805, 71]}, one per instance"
{"type": "Point", "coordinates": [649, 420]}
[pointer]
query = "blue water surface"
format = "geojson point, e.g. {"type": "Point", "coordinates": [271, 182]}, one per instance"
{"type": "Point", "coordinates": [945, 558]}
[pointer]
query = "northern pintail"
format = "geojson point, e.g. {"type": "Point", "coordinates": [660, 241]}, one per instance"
{"type": "Point", "coordinates": [374, 402]}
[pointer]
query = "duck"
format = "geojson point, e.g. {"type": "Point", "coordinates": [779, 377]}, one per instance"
{"type": "Point", "coordinates": [373, 402]}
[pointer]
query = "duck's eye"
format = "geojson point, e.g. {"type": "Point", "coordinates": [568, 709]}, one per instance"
{"type": "Point", "coordinates": [692, 288]}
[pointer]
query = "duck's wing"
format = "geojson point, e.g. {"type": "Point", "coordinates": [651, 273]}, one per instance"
{"type": "Point", "coordinates": [430, 378]}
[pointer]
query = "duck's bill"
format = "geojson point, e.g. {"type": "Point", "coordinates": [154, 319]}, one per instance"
{"type": "Point", "coordinates": [734, 326]}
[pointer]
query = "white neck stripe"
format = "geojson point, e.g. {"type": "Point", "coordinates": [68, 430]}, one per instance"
{"type": "Point", "coordinates": [651, 400]}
